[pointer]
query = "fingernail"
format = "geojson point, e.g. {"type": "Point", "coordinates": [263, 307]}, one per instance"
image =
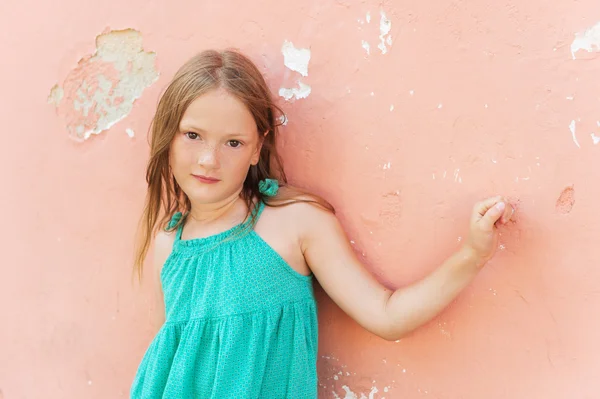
{"type": "Point", "coordinates": [500, 206]}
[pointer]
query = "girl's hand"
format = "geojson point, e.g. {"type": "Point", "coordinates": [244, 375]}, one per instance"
{"type": "Point", "coordinates": [483, 231]}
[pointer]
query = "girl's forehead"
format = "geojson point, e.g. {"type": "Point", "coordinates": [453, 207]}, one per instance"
{"type": "Point", "coordinates": [218, 111]}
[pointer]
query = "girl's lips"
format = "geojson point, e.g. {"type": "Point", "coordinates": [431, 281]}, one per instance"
{"type": "Point", "coordinates": [206, 180]}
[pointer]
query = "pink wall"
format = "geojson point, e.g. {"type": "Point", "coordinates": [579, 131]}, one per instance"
{"type": "Point", "coordinates": [487, 98]}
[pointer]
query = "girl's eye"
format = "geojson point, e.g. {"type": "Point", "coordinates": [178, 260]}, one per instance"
{"type": "Point", "coordinates": [234, 144]}
{"type": "Point", "coordinates": [192, 135]}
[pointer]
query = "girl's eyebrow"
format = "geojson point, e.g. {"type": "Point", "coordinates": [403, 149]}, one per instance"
{"type": "Point", "coordinates": [185, 126]}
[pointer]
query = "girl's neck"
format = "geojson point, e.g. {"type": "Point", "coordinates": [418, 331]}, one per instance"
{"type": "Point", "coordinates": [227, 208]}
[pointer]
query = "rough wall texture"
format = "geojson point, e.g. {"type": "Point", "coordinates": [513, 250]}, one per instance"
{"type": "Point", "coordinates": [401, 113]}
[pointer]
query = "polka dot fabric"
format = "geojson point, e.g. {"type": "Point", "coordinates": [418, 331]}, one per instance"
{"type": "Point", "coordinates": [240, 323]}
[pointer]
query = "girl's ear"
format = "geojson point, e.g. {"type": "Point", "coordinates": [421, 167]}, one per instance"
{"type": "Point", "coordinates": [256, 154]}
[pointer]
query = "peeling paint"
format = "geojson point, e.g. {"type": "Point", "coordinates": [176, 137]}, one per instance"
{"type": "Point", "coordinates": [352, 395]}
{"type": "Point", "coordinates": [102, 88]}
{"type": "Point", "coordinates": [296, 59]}
{"type": "Point", "coordinates": [572, 128]}
{"type": "Point", "coordinates": [366, 46]}
{"type": "Point", "coordinates": [56, 95]}
{"type": "Point", "coordinates": [595, 139]}
{"type": "Point", "coordinates": [130, 132]}
{"type": "Point", "coordinates": [385, 25]}
{"type": "Point", "coordinates": [368, 17]}
{"type": "Point", "coordinates": [589, 40]}
{"type": "Point", "coordinates": [340, 383]}
{"type": "Point", "coordinates": [302, 91]}
{"type": "Point", "coordinates": [566, 200]}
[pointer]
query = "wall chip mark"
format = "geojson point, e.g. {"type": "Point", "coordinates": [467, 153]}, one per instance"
{"type": "Point", "coordinates": [130, 132]}
{"type": "Point", "coordinates": [589, 40]}
{"type": "Point", "coordinates": [572, 127]}
{"type": "Point", "coordinates": [566, 200]}
{"type": "Point", "coordinates": [595, 139]}
{"type": "Point", "coordinates": [296, 59]}
{"type": "Point", "coordinates": [55, 97]}
{"type": "Point", "coordinates": [102, 88]}
{"type": "Point", "coordinates": [366, 46]}
{"type": "Point", "coordinates": [352, 395]}
{"type": "Point", "coordinates": [385, 26]}
{"type": "Point", "coordinates": [302, 91]}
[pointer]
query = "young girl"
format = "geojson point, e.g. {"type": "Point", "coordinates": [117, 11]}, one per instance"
{"type": "Point", "coordinates": [236, 249]}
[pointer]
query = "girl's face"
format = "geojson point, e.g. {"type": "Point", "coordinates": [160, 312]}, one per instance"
{"type": "Point", "coordinates": [216, 144]}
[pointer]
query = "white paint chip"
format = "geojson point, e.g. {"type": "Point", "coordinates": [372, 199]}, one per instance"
{"type": "Point", "coordinates": [101, 90]}
{"type": "Point", "coordinates": [302, 91]}
{"type": "Point", "coordinates": [589, 40]}
{"type": "Point", "coordinates": [296, 59]}
{"type": "Point", "coordinates": [440, 106]}
{"type": "Point", "coordinates": [352, 395]}
{"type": "Point", "coordinates": [385, 26]}
{"type": "Point", "coordinates": [130, 132]}
{"type": "Point", "coordinates": [595, 139]}
{"type": "Point", "coordinates": [368, 17]}
{"type": "Point", "coordinates": [572, 128]}
{"type": "Point", "coordinates": [391, 107]}
{"type": "Point", "coordinates": [366, 46]}
{"type": "Point", "coordinates": [570, 98]}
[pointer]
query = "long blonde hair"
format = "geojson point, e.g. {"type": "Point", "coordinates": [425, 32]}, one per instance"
{"type": "Point", "coordinates": [207, 71]}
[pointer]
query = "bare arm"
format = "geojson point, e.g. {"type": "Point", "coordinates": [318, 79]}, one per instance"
{"type": "Point", "coordinates": [393, 314]}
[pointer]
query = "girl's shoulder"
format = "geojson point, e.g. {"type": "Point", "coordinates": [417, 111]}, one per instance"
{"type": "Point", "coordinates": [294, 197]}
{"type": "Point", "coordinates": [289, 222]}
{"type": "Point", "coordinates": [299, 210]}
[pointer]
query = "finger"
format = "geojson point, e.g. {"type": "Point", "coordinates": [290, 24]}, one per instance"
{"type": "Point", "coordinates": [492, 215]}
{"type": "Point", "coordinates": [509, 211]}
{"type": "Point", "coordinates": [480, 209]}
